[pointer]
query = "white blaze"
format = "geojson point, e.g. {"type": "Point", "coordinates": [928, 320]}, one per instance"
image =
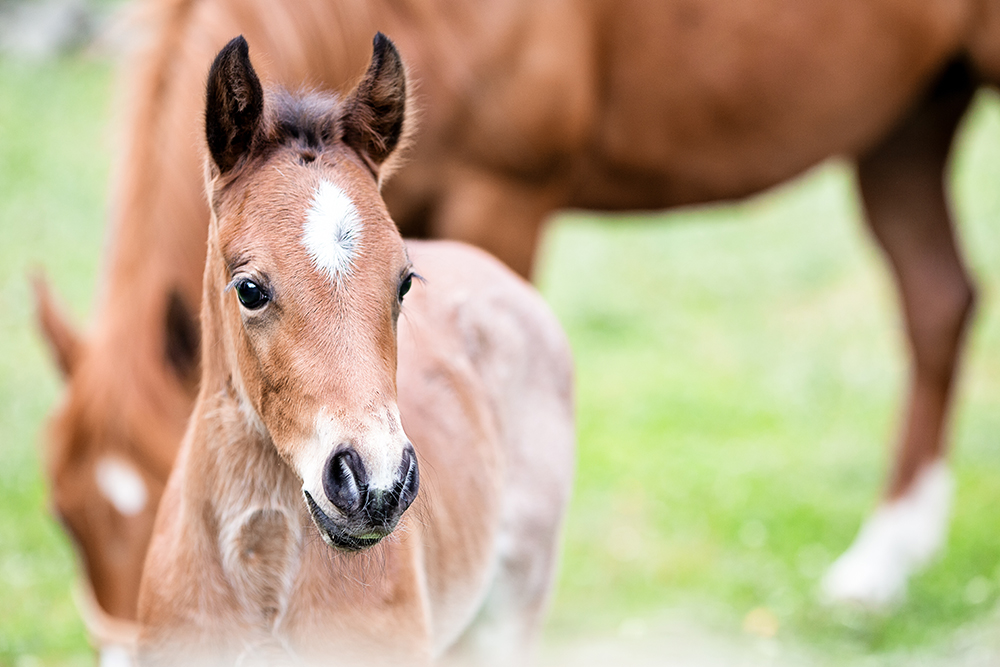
{"type": "Point", "coordinates": [121, 484]}
{"type": "Point", "coordinates": [332, 231]}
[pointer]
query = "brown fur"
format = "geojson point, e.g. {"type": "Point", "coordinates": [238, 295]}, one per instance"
{"type": "Point", "coordinates": [529, 107]}
{"type": "Point", "coordinates": [236, 571]}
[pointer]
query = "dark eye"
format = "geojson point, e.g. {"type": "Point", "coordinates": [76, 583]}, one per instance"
{"type": "Point", "coordinates": [251, 294]}
{"type": "Point", "coordinates": [404, 286]}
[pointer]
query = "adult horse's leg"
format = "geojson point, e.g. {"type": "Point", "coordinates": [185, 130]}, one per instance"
{"type": "Point", "coordinates": [902, 183]}
{"type": "Point", "coordinates": [499, 213]}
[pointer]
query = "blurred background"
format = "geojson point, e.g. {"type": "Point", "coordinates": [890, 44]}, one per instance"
{"type": "Point", "coordinates": [739, 372]}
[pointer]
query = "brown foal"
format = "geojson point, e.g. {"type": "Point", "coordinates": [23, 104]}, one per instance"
{"type": "Point", "coordinates": [329, 405]}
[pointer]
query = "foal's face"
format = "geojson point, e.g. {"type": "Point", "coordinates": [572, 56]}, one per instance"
{"type": "Point", "coordinates": [310, 273]}
{"type": "Point", "coordinates": [315, 273]}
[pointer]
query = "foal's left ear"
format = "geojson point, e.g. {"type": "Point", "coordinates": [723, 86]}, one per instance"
{"type": "Point", "coordinates": [234, 104]}
{"type": "Point", "coordinates": [374, 113]}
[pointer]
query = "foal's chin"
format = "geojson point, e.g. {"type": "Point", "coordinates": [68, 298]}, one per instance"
{"type": "Point", "coordinates": [340, 537]}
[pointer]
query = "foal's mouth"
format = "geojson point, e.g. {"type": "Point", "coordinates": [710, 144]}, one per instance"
{"type": "Point", "coordinates": [335, 535]}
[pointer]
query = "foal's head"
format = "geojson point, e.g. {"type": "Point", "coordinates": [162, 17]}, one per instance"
{"type": "Point", "coordinates": [305, 279]}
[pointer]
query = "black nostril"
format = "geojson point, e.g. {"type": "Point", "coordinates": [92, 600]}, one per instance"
{"type": "Point", "coordinates": [344, 479]}
{"type": "Point", "coordinates": [409, 479]}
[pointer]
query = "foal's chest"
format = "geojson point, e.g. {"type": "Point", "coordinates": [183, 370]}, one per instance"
{"type": "Point", "coordinates": [293, 591]}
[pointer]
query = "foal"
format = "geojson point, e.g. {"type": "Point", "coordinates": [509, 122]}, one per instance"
{"type": "Point", "coordinates": [283, 533]}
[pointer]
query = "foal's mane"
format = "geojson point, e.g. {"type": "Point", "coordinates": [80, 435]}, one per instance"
{"type": "Point", "coordinates": [309, 119]}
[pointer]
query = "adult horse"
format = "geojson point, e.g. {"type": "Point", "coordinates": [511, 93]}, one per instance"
{"type": "Point", "coordinates": [529, 107]}
{"type": "Point", "coordinates": [303, 424]}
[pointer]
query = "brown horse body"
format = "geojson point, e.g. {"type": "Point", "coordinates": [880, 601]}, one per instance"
{"type": "Point", "coordinates": [303, 308]}
{"type": "Point", "coordinates": [528, 107]}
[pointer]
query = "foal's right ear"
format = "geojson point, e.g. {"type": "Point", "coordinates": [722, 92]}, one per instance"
{"type": "Point", "coordinates": [234, 105]}
{"type": "Point", "coordinates": [375, 112]}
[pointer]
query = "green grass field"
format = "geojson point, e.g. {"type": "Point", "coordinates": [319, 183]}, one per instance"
{"type": "Point", "coordinates": [739, 375]}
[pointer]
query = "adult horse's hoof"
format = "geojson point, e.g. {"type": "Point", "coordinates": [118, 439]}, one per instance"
{"type": "Point", "coordinates": [900, 538]}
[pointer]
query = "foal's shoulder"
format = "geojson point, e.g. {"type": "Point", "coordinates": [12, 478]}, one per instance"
{"type": "Point", "coordinates": [499, 317]}
{"type": "Point", "coordinates": [458, 273]}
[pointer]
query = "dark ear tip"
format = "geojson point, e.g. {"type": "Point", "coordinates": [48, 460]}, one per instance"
{"type": "Point", "coordinates": [234, 104]}
{"type": "Point", "coordinates": [236, 50]}
{"type": "Point", "coordinates": [382, 46]}
{"type": "Point", "coordinates": [237, 46]}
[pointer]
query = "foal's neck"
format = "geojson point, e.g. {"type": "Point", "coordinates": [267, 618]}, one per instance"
{"type": "Point", "coordinates": [248, 471]}
{"type": "Point", "coordinates": [257, 517]}
{"type": "Point", "coordinates": [232, 461]}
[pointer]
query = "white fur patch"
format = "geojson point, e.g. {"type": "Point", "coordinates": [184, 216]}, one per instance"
{"type": "Point", "coordinates": [379, 442]}
{"type": "Point", "coordinates": [121, 484]}
{"type": "Point", "coordinates": [332, 231]}
{"type": "Point", "coordinates": [381, 449]}
{"type": "Point", "coordinates": [115, 655]}
{"type": "Point", "coordinates": [899, 538]}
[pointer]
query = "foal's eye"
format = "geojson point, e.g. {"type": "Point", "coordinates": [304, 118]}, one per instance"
{"type": "Point", "coordinates": [404, 286]}
{"type": "Point", "coordinates": [251, 294]}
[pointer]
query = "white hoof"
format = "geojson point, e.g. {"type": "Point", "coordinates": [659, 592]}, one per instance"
{"type": "Point", "coordinates": [900, 538]}
{"type": "Point", "coordinates": [115, 655]}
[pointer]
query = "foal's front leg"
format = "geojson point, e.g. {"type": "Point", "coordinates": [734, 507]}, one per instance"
{"type": "Point", "coordinates": [903, 187]}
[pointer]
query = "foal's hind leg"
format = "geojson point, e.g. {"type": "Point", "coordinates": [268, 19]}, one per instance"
{"type": "Point", "coordinates": [902, 183]}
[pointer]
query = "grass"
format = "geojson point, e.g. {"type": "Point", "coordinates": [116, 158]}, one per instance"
{"type": "Point", "coordinates": [53, 175]}
{"type": "Point", "coordinates": [739, 375]}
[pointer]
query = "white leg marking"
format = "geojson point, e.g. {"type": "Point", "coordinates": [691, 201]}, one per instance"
{"type": "Point", "coordinates": [121, 484]}
{"type": "Point", "coordinates": [115, 655]}
{"type": "Point", "coordinates": [898, 539]}
{"type": "Point", "coordinates": [332, 231]}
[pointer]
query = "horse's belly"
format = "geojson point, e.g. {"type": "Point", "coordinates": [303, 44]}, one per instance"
{"type": "Point", "coordinates": [707, 100]}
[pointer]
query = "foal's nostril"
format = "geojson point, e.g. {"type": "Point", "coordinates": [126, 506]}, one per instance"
{"type": "Point", "coordinates": [409, 479]}
{"type": "Point", "coordinates": [345, 482]}
{"type": "Point", "coordinates": [344, 479]}
{"type": "Point", "coordinates": [383, 507]}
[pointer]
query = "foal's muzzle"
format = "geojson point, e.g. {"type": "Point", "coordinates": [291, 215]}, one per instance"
{"type": "Point", "coordinates": [366, 514]}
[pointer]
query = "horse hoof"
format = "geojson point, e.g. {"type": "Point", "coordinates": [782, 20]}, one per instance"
{"type": "Point", "coordinates": [900, 538]}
